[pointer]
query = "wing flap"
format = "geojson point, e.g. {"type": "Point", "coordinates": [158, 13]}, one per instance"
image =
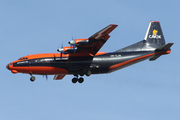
{"type": "Point", "coordinates": [59, 77]}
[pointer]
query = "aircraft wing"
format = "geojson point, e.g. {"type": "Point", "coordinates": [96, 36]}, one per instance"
{"type": "Point", "coordinates": [100, 38]}
{"type": "Point", "coordinates": [94, 43]}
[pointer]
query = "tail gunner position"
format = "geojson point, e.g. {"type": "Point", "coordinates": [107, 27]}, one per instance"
{"type": "Point", "coordinates": [82, 56]}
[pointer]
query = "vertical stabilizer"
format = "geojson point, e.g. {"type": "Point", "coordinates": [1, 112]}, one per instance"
{"type": "Point", "coordinates": [153, 39]}
{"type": "Point", "coordinates": [154, 35]}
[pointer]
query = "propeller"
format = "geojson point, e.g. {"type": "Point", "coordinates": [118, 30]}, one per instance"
{"type": "Point", "coordinates": [46, 77]}
{"type": "Point", "coordinates": [61, 50]}
{"type": "Point", "coordinates": [73, 48]}
{"type": "Point", "coordinates": [73, 43]}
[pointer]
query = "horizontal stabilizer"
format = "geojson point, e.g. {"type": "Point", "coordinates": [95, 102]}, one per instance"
{"type": "Point", "coordinates": [154, 58]}
{"type": "Point", "coordinates": [165, 47]}
{"type": "Point", "coordinates": [162, 48]}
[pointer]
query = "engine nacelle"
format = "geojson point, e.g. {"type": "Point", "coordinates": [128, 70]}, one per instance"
{"type": "Point", "coordinates": [60, 50]}
{"type": "Point", "coordinates": [78, 42]}
{"type": "Point", "coordinates": [72, 42]}
{"type": "Point", "coordinates": [66, 50]}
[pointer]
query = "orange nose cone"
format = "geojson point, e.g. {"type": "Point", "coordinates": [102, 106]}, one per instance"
{"type": "Point", "coordinates": [7, 66]}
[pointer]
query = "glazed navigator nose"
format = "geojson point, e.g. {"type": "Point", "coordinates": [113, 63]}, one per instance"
{"type": "Point", "coordinates": [7, 66]}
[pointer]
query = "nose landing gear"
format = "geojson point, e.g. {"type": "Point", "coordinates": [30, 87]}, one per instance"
{"type": "Point", "coordinates": [32, 79]}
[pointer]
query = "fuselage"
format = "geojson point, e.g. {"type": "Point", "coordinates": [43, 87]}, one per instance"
{"type": "Point", "coordinates": [53, 63]}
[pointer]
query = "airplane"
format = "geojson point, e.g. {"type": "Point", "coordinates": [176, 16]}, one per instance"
{"type": "Point", "coordinates": [82, 56]}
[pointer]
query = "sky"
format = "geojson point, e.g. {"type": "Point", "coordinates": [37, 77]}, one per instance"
{"type": "Point", "coordinates": [144, 91]}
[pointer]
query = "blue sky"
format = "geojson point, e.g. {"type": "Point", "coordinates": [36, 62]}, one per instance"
{"type": "Point", "coordinates": [145, 91]}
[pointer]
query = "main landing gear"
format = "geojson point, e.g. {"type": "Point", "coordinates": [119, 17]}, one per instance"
{"type": "Point", "coordinates": [75, 80]}
{"type": "Point", "coordinates": [80, 80]}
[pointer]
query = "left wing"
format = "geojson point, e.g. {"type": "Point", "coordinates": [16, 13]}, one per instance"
{"type": "Point", "coordinates": [100, 38]}
{"type": "Point", "coordinates": [92, 44]}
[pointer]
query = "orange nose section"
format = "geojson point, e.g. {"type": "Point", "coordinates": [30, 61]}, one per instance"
{"type": "Point", "coordinates": [7, 66]}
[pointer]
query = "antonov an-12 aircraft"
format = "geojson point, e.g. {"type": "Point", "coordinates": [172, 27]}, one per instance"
{"type": "Point", "coordinates": [82, 56]}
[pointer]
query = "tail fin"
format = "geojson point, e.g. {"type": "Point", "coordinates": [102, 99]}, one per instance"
{"type": "Point", "coordinates": [153, 39]}
{"type": "Point", "coordinates": [154, 35]}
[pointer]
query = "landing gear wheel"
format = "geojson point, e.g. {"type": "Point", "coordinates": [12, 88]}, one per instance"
{"type": "Point", "coordinates": [32, 78]}
{"type": "Point", "coordinates": [81, 80]}
{"type": "Point", "coordinates": [88, 73]}
{"type": "Point", "coordinates": [74, 80]}
{"type": "Point", "coordinates": [81, 73]}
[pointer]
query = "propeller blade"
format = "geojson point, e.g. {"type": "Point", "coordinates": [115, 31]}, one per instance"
{"type": "Point", "coordinates": [61, 51]}
{"type": "Point", "coordinates": [46, 77]}
{"type": "Point", "coordinates": [73, 48]}
{"type": "Point", "coordinates": [60, 54]}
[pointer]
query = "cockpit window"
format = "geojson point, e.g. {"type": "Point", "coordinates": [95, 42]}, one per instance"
{"type": "Point", "coordinates": [23, 58]}
{"type": "Point", "coordinates": [20, 59]}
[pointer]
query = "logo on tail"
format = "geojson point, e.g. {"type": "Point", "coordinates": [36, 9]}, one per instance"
{"type": "Point", "coordinates": [154, 35]}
